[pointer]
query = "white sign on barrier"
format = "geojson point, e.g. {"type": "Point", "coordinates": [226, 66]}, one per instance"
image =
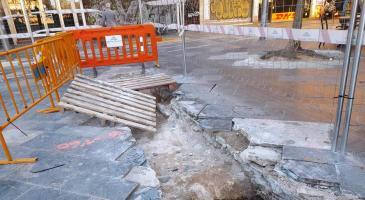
{"type": "Point", "coordinates": [306, 34]}
{"type": "Point", "coordinates": [113, 41]}
{"type": "Point", "coordinates": [275, 33]}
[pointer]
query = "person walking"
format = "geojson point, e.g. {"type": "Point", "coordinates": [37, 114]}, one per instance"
{"type": "Point", "coordinates": [109, 17]}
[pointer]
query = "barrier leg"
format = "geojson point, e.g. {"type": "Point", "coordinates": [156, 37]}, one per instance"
{"type": "Point", "coordinates": [52, 108]}
{"type": "Point", "coordinates": [157, 64]}
{"type": "Point", "coordinates": [9, 159]}
{"type": "Point", "coordinates": [143, 69]}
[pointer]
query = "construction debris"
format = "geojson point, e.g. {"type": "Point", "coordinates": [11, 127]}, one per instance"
{"type": "Point", "coordinates": [108, 102]}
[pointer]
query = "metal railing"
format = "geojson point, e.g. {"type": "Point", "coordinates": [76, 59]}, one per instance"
{"type": "Point", "coordinates": [31, 74]}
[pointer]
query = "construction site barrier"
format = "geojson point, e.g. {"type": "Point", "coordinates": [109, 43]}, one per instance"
{"type": "Point", "coordinates": [117, 45]}
{"type": "Point", "coordinates": [37, 71]}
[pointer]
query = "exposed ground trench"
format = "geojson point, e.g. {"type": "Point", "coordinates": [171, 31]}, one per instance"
{"type": "Point", "coordinates": [189, 166]}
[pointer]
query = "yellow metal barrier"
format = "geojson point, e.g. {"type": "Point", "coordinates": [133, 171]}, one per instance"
{"type": "Point", "coordinates": [37, 71]}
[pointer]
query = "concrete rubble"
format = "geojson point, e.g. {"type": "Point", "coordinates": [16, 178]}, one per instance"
{"type": "Point", "coordinates": [285, 159]}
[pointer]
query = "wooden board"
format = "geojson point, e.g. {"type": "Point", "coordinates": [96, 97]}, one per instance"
{"type": "Point", "coordinates": [108, 102]}
{"type": "Point", "coordinates": [145, 82]}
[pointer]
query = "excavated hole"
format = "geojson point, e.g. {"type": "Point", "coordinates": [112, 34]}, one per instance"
{"type": "Point", "coordinates": [188, 165]}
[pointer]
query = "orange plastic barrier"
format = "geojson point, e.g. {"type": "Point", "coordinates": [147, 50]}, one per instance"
{"type": "Point", "coordinates": [117, 45]}
{"type": "Point", "coordinates": [29, 75]}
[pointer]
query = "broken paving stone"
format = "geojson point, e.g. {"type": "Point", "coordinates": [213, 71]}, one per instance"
{"type": "Point", "coordinates": [164, 110]}
{"type": "Point", "coordinates": [262, 156]}
{"type": "Point", "coordinates": [319, 174]}
{"type": "Point", "coordinates": [164, 179]}
{"type": "Point", "coordinates": [144, 176]}
{"type": "Point", "coordinates": [277, 133]}
{"type": "Point", "coordinates": [352, 179]}
{"type": "Point", "coordinates": [193, 108]}
{"type": "Point", "coordinates": [216, 124]}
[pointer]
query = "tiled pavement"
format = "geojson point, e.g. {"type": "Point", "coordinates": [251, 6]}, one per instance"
{"type": "Point", "coordinates": [75, 161]}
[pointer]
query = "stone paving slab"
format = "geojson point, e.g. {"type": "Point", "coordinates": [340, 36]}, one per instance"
{"type": "Point", "coordinates": [311, 173]}
{"type": "Point", "coordinates": [104, 146]}
{"type": "Point", "coordinates": [217, 111]}
{"type": "Point", "coordinates": [276, 133]}
{"type": "Point", "coordinates": [309, 155]}
{"type": "Point", "coordinates": [75, 162]}
{"type": "Point", "coordinates": [216, 124]}
{"type": "Point", "coordinates": [193, 108]}
{"type": "Point", "coordinates": [10, 190]}
{"type": "Point", "coordinates": [40, 193]}
{"type": "Point", "coordinates": [100, 186]}
{"type": "Point", "coordinates": [352, 179]}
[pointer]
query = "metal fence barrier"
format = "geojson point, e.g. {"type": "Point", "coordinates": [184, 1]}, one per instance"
{"type": "Point", "coordinates": [117, 45]}
{"type": "Point", "coordinates": [36, 71]}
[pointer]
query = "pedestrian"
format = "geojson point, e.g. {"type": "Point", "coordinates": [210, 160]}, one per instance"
{"type": "Point", "coordinates": [109, 17]}
{"type": "Point", "coordinates": [328, 9]}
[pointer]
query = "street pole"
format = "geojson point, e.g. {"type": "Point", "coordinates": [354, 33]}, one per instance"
{"type": "Point", "coordinates": [344, 75]}
{"type": "Point", "coordinates": [140, 11]}
{"type": "Point", "coordinates": [182, 15]}
{"type": "Point", "coordinates": [355, 70]}
{"type": "Point", "coordinates": [26, 19]}
{"type": "Point", "coordinates": [264, 12]}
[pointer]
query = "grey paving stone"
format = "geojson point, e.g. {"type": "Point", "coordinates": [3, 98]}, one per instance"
{"type": "Point", "coordinates": [311, 173]}
{"type": "Point", "coordinates": [193, 108]}
{"type": "Point", "coordinates": [277, 133]}
{"type": "Point", "coordinates": [216, 124]}
{"type": "Point", "coordinates": [217, 111]}
{"type": "Point", "coordinates": [100, 186]}
{"type": "Point", "coordinates": [309, 154]}
{"type": "Point", "coordinates": [352, 179]}
{"type": "Point", "coordinates": [134, 157]}
{"type": "Point", "coordinates": [147, 193]}
{"type": "Point", "coordinates": [38, 193]}
{"type": "Point", "coordinates": [10, 190]}
{"type": "Point", "coordinates": [107, 146]}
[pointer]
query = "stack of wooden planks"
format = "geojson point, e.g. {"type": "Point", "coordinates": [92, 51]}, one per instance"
{"type": "Point", "coordinates": [108, 102]}
{"type": "Point", "coordinates": [141, 82]}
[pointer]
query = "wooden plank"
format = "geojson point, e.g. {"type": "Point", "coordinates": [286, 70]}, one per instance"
{"type": "Point", "coordinates": [117, 88]}
{"type": "Point", "coordinates": [144, 82]}
{"type": "Point", "coordinates": [128, 101]}
{"type": "Point", "coordinates": [117, 105]}
{"type": "Point", "coordinates": [107, 109]}
{"type": "Point", "coordinates": [106, 117]}
{"type": "Point", "coordinates": [125, 95]}
{"type": "Point", "coordinates": [122, 102]}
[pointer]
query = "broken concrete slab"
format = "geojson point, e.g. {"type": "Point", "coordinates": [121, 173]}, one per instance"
{"type": "Point", "coordinates": [144, 176]}
{"type": "Point", "coordinates": [352, 179]}
{"type": "Point", "coordinates": [216, 124]}
{"type": "Point", "coordinates": [217, 111]}
{"type": "Point", "coordinates": [317, 174]}
{"type": "Point", "coordinates": [193, 108]}
{"type": "Point", "coordinates": [276, 133]}
{"type": "Point", "coordinates": [261, 155]}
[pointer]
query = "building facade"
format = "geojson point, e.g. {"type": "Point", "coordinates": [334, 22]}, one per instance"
{"type": "Point", "coordinates": [241, 11]}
